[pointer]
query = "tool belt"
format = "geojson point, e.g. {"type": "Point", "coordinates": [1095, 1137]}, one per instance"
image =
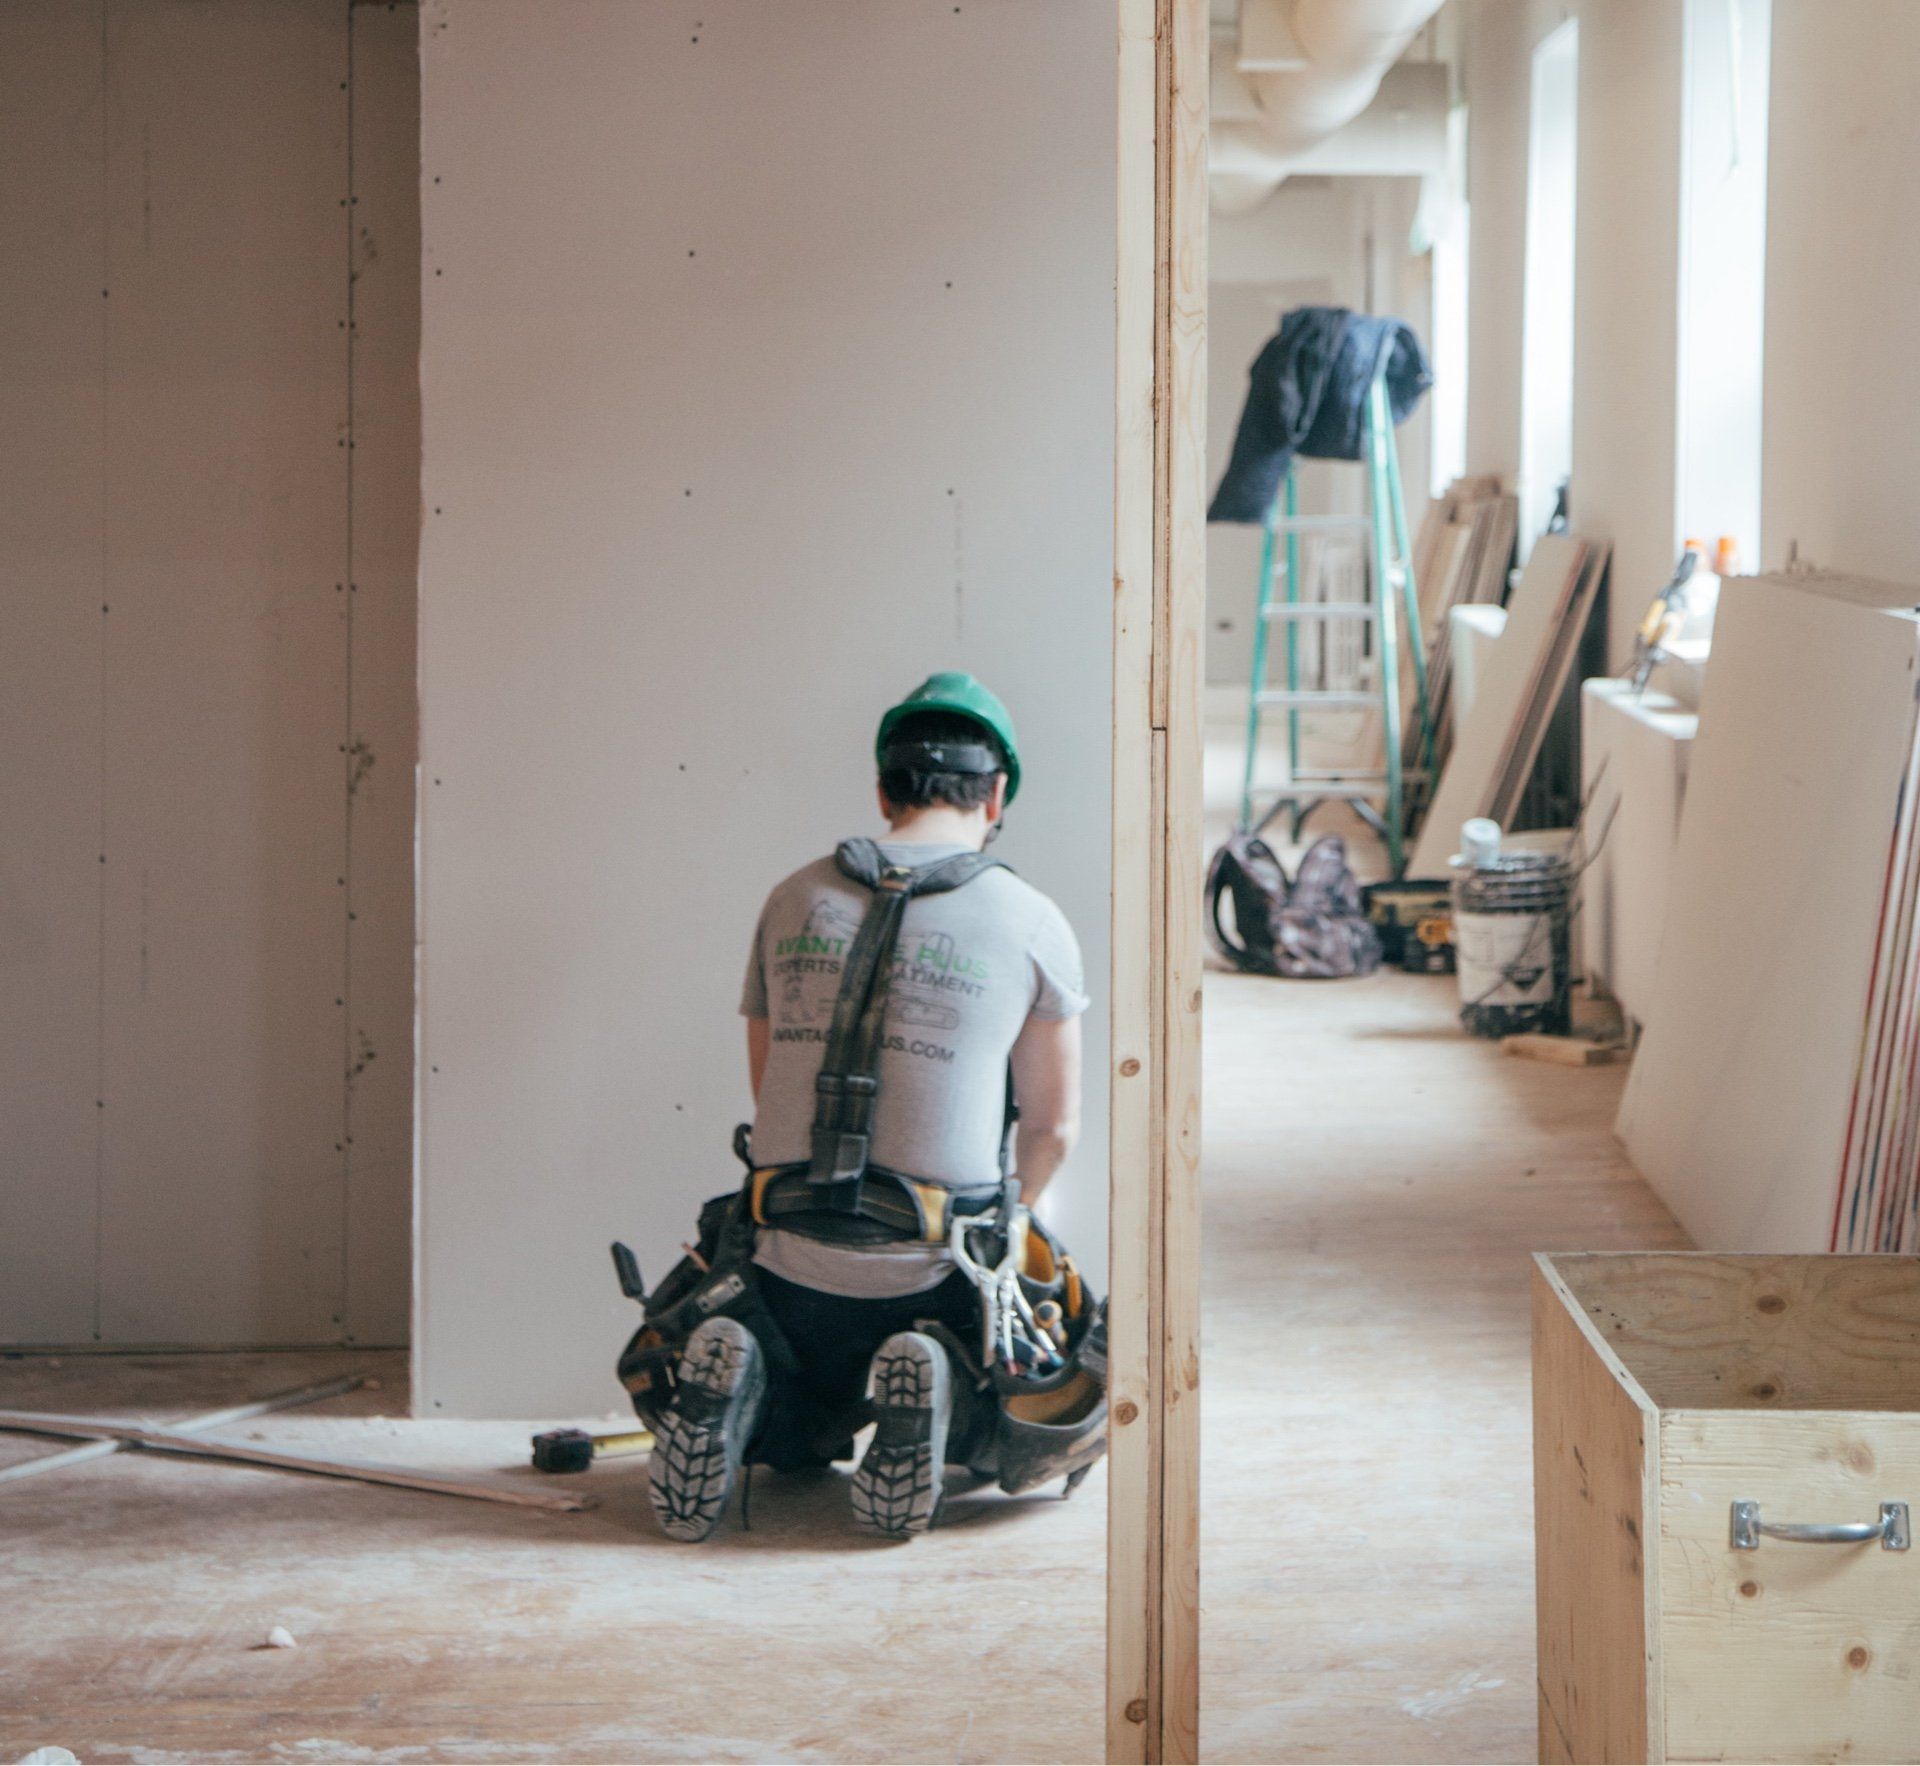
{"type": "Point", "coordinates": [903, 1207]}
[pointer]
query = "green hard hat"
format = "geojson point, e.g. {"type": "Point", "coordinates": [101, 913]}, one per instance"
{"type": "Point", "coordinates": [962, 695]}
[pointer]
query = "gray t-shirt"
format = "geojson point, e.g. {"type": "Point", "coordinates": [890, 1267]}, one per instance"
{"type": "Point", "coordinates": [971, 966]}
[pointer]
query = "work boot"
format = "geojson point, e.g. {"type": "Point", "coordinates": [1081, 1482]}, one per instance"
{"type": "Point", "coordinates": [720, 1395]}
{"type": "Point", "coordinates": [896, 1491]}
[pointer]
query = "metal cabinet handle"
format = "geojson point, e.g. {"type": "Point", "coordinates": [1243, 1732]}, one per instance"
{"type": "Point", "coordinates": [1891, 1529]}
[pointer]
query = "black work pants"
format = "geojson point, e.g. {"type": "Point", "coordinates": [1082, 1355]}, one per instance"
{"type": "Point", "coordinates": [813, 1413]}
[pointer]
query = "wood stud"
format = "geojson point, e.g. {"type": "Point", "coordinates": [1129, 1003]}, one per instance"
{"type": "Point", "coordinates": [1159, 591]}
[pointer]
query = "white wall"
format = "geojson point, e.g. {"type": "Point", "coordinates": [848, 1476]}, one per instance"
{"type": "Point", "coordinates": [1626, 298]}
{"type": "Point", "coordinates": [207, 543]}
{"type": "Point", "coordinates": [768, 364]}
{"type": "Point", "coordinates": [1842, 248]}
{"type": "Point", "coordinates": [1497, 54]}
{"type": "Point", "coordinates": [1626, 275]}
{"type": "Point", "coordinates": [1841, 450]}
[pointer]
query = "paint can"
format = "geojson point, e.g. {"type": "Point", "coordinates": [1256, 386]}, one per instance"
{"type": "Point", "coordinates": [1512, 944]}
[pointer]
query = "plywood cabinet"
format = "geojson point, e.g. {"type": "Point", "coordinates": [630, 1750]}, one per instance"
{"type": "Point", "coordinates": [1669, 1387]}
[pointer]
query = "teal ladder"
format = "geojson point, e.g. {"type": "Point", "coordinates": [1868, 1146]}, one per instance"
{"type": "Point", "coordinates": [1392, 610]}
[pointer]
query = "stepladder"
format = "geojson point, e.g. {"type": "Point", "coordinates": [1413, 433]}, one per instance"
{"type": "Point", "coordinates": [1386, 618]}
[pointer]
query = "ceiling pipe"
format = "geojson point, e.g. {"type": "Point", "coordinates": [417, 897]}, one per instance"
{"type": "Point", "coordinates": [1305, 68]}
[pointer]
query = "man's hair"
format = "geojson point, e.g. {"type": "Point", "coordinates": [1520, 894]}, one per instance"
{"type": "Point", "coordinates": [912, 787]}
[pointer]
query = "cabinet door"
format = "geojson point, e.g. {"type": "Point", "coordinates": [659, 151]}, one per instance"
{"type": "Point", "coordinates": [1788, 1651]}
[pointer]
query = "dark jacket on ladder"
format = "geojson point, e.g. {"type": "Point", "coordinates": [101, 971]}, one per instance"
{"type": "Point", "coordinates": [1307, 394]}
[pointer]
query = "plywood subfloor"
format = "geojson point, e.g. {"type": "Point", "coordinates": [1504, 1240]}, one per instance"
{"type": "Point", "coordinates": [1374, 1184]}
{"type": "Point", "coordinates": [429, 1628]}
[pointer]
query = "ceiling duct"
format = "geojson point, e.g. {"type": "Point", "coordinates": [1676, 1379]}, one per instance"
{"type": "Point", "coordinates": [1299, 72]}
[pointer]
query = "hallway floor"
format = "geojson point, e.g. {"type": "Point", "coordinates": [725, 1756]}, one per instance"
{"type": "Point", "coordinates": [1376, 1182]}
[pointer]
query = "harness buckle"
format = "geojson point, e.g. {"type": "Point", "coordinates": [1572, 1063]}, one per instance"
{"type": "Point", "coordinates": [837, 1171]}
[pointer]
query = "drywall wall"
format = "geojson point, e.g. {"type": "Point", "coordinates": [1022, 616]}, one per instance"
{"type": "Point", "coordinates": [206, 676]}
{"type": "Point", "coordinates": [1497, 44]}
{"type": "Point", "coordinates": [767, 364]}
{"type": "Point", "coordinates": [1626, 297]}
{"type": "Point", "coordinates": [1626, 269]}
{"type": "Point", "coordinates": [1840, 454]}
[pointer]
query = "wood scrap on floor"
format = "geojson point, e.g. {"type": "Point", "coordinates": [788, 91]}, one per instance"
{"type": "Point", "coordinates": [1563, 1051]}
{"type": "Point", "coordinates": [32, 1422]}
{"type": "Point", "coordinates": [194, 1425]}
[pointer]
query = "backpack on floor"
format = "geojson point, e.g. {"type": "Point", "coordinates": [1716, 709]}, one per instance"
{"type": "Point", "coordinates": [1311, 926]}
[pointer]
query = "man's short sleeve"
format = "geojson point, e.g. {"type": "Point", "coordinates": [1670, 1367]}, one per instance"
{"type": "Point", "coordinates": [1059, 977]}
{"type": "Point", "coordinates": [753, 993]}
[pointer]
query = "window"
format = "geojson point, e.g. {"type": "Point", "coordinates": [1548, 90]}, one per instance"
{"type": "Point", "coordinates": [1546, 384]}
{"type": "Point", "coordinates": [1723, 242]}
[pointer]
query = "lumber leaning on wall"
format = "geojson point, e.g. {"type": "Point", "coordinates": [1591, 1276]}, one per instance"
{"type": "Point", "coordinates": [1159, 592]}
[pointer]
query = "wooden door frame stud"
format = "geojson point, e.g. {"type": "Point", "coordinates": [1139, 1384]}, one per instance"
{"type": "Point", "coordinates": [1159, 583]}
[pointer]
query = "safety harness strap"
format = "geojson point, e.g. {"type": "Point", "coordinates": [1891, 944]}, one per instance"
{"type": "Point", "coordinates": [848, 1081]}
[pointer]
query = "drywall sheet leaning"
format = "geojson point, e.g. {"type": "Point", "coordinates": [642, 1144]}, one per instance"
{"type": "Point", "coordinates": [1472, 633]}
{"type": "Point", "coordinates": [768, 365]}
{"type": "Point", "coordinates": [1634, 749]}
{"type": "Point", "coordinates": [206, 869]}
{"type": "Point", "coordinates": [1500, 736]}
{"type": "Point", "coordinates": [1784, 889]}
